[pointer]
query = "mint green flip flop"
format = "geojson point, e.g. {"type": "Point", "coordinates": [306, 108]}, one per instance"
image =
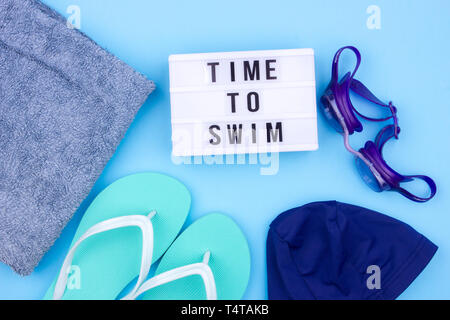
{"type": "Point", "coordinates": [109, 250]}
{"type": "Point", "coordinates": [209, 260]}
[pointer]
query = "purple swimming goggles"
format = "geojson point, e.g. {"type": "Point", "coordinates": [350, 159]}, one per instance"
{"type": "Point", "coordinates": [342, 115]}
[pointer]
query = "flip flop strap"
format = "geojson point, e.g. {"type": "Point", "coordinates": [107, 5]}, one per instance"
{"type": "Point", "coordinates": [143, 222]}
{"type": "Point", "coordinates": [202, 269]}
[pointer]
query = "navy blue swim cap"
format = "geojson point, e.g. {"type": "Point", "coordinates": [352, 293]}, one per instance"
{"type": "Point", "coordinates": [333, 250]}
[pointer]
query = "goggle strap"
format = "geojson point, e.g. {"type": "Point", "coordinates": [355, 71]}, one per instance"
{"type": "Point", "coordinates": [361, 90]}
{"type": "Point", "coordinates": [335, 70]}
{"type": "Point", "coordinates": [385, 135]}
{"type": "Point", "coordinates": [413, 197]}
{"type": "Point", "coordinates": [357, 87]}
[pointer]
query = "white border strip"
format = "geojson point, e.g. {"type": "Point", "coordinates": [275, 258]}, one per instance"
{"type": "Point", "coordinates": [267, 117]}
{"type": "Point", "coordinates": [244, 86]}
{"type": "Point", "coordinates": [242, 54]}
{"type": "Point", "coordinates": [247, 150]}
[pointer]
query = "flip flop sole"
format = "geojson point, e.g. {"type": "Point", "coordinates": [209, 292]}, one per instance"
{"type": "Point", "coordinates": [229, 261]}
{"type": "Point", "coordinates": [107, 262]}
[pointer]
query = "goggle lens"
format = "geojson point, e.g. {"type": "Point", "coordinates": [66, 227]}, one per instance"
{"type": "Point", "coordinates": [367, 175]}
{"type": "Point", "coordinates": [328, 111]}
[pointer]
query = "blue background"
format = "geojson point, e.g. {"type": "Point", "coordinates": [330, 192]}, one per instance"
{"type": "Point", "coordinates": [407, 61]}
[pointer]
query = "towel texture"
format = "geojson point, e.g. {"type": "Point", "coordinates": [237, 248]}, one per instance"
{"type": "Point", "coordinates": [65, 104]}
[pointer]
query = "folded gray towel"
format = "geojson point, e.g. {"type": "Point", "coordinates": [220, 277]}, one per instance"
{"type": "Point", "coordinates": [65, 104]}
